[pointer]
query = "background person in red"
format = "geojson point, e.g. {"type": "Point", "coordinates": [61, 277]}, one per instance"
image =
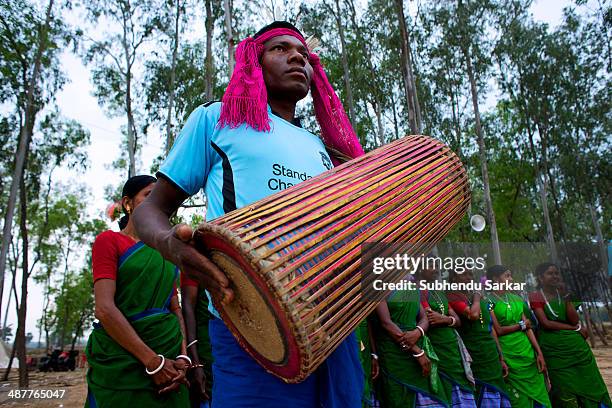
{"type": "Point", "coordinates": [136, 352]}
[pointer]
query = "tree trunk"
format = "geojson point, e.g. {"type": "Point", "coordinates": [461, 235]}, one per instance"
{"type": "Point", "coordinates": [395, 120]}
{"type": "Point", "coordinates": [550, 236]}
{"type": "Point", "coordinates": [130, 129]}
{"type": "Point", "coordinates": [10, 362]}
{"type": "Point", "coordinates": [379, 123]}
{"type": "Point", "coordinates": [169, 133]}
{"type": "Point", "coordinates": [227, 6]}
{"type": "Point", "coordinates": [25, 137]}
{"type": "Point", "coordinates": [603, 248]}
{"type": "Point", "coordinates": [20, 338]}
{"type": "Point", "coordinates": [406, 68]}
{"type": "Point", "coordinates": [345, 64]}
{"type": "Point", "coordinates": [483, 158]}
{"type": "Point", "coordinates": [417, 105]}
{"type": "Point", "coordinates": [209, 54]}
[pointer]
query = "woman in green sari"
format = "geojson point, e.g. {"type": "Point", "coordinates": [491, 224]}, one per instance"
{"type": "Point", "coordinates": [455, 372]}
{"type": "Point", "coordinates": [408, 365]}
{"type": "Point", "coordinates": [136, 353]}
{"type": "Point", "coordinates": [488, 365]}
{"type": "Point", "coordinates": [525, 382]}
{"type": "Point", "coordinates": [574, 376]}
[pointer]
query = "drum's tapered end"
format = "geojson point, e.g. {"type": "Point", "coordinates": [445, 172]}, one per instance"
{"type": "Point", "coordinates": [255, 317]}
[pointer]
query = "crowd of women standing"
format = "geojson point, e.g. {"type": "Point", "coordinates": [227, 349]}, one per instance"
{"type": "Point", "coordinates": [419, 348]}
{"type": "Point", "coordinates": [473, 349]}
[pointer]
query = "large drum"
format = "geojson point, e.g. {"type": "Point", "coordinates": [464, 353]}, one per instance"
{"type": "Point", "coordinates": [294, 258]}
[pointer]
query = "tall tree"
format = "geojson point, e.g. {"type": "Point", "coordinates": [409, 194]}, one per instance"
{"type": "Point", "coordinates": [115, 55]}
{"type": "Point", "coordinates": [337, 12]}
{"type": "Point", "coordinates": [175, 46]}
{"type": "Point", "coordinates": [30, 76]}
{"type": "Point", "coordinates": [414, 110]}
{"type": "Point", "coordinates": [229, 34]}
{"type": "Point", "coordinates": [468, 23]}
{"type": "Point", "coordinates": [209, 62]}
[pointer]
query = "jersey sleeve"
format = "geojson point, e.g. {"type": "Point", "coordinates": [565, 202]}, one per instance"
{"type": "Point", "coordinates": [188, 163]}
{"type": "Point", "coordinates": [104, 257]}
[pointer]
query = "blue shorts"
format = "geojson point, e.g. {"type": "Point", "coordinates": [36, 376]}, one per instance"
{"type": "Point", "coordinates": [239, 382]}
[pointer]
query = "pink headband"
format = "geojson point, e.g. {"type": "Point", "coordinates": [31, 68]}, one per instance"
{"type": "Point", "coordinates": [246, 100]}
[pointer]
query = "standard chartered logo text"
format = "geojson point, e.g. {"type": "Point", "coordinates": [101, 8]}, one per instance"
{"type": "Point", "coordinates": [277, 184]}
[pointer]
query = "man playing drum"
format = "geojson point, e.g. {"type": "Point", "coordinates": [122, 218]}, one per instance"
{"type": "Point", "coordinates": [239, 151]}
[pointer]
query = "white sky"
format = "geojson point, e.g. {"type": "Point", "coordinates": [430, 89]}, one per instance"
{"type": "Point", "coordinates": [76, 102]}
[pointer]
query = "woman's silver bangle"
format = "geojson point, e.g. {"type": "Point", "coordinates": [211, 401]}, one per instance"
{"type": "Point", "coordinates": [421, 330]}
{"type": "Point", "coordinates": [453, 322]}
{"type": "Point", "coordinates": [192, 343]}
{"type": "Point", "coordinates": [578, 328]}
{"type": "Point", "coordinates": [158, 369]}
{"type": "Point", "coordinates": [184, 357]}
{"type": "Point", "coordinates": [374, 356]}
{"type": "Point", "coordinates": [419, 354]}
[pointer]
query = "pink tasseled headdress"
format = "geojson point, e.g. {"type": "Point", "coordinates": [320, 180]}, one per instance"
{"type": "Point", "coordinates": [245, 99]}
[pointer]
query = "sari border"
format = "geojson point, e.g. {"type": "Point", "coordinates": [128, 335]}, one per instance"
{"type": "Point", "coordinates": [493, 387]}
{"type": "Point", "coordinates": [130, 251]}
{"type": "Point", "coordinates": [455, 382]}
{"type": "Point", "coordinates": [413, 388]}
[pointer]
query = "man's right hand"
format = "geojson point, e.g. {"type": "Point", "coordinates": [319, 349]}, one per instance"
{"type": "Point", "coordinates": [178, 246]}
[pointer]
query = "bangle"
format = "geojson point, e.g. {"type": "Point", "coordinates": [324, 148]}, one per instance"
{"type": "Point", "coordinates": [421, 330]}
{"type": "Point", "coordinates": [522, 325]}
{"type": "Point", "coordinates": [192, 343]}
{"type": "Point", "coordinates": [419, 354]}
{"type": "Point", "coordinates": [578, 328]}
{"type": "Point", "coordinates": [453, 322]}
{"type": "Point", "coordinates": [374, 356]}
{"type": "Point", "coordinates": [196, 366]}
{"type": "Point", "coordinates": [158, 369]}
{"type": "Point", "coordinates": [184, 357]}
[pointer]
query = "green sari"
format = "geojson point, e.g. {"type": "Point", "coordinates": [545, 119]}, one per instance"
{"type": "Point", "coordinates": [365, 358]}
{"type": "Point", "coordinates": [445, 342]}
{"type": "Point", "coordinates": [401, 377]}
{"type": "Point", "coordinates": [476, 335]}
{"type": "Point", "coordinates": [145, 283]}
{"type": "Point", "coordinates": [575, 378]}
{"type": "Point", "coordinates": [525, 384]}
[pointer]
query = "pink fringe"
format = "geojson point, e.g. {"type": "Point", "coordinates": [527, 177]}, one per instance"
{"type": "Point", "coordinates": [246, 100]}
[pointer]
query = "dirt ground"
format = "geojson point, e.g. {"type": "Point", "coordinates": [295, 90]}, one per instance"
{"type": "Point", "coordinates": [74, 384]}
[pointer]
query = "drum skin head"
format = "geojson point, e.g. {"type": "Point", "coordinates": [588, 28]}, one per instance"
{"type": "Point", "coordinates": [255, 316]}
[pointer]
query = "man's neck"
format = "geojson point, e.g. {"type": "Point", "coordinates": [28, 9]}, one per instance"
{"type": "Point", "coordinates": [284, 109]}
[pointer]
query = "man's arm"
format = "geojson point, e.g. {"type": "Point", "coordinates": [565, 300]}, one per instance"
{"type": "Point", "coordinates": [152, 222]}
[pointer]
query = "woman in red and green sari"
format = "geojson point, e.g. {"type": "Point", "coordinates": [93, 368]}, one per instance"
{"type": "Point", "coordinates": [574, 376]}
{"type": "Point", "coordinates": [136, 353]}
{"type": "Point", "coordinates": [455, 372]}
{"type": "Point", "coordinates": [525, 382]}
{"type": "Point", "coordinates": [408, 364]}
{"type": "Point", "coordinates": [488, 365]}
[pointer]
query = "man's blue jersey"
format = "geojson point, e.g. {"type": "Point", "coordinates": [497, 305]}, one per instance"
{"type": "Point", "coordinates": [236, 167]}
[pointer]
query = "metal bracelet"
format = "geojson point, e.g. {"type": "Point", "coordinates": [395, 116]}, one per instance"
{"type": "Point", "coordinates": [158, 369]}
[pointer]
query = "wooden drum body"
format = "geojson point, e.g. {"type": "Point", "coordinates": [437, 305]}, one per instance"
{"type": "Point", "coordinates": [294, 258]}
